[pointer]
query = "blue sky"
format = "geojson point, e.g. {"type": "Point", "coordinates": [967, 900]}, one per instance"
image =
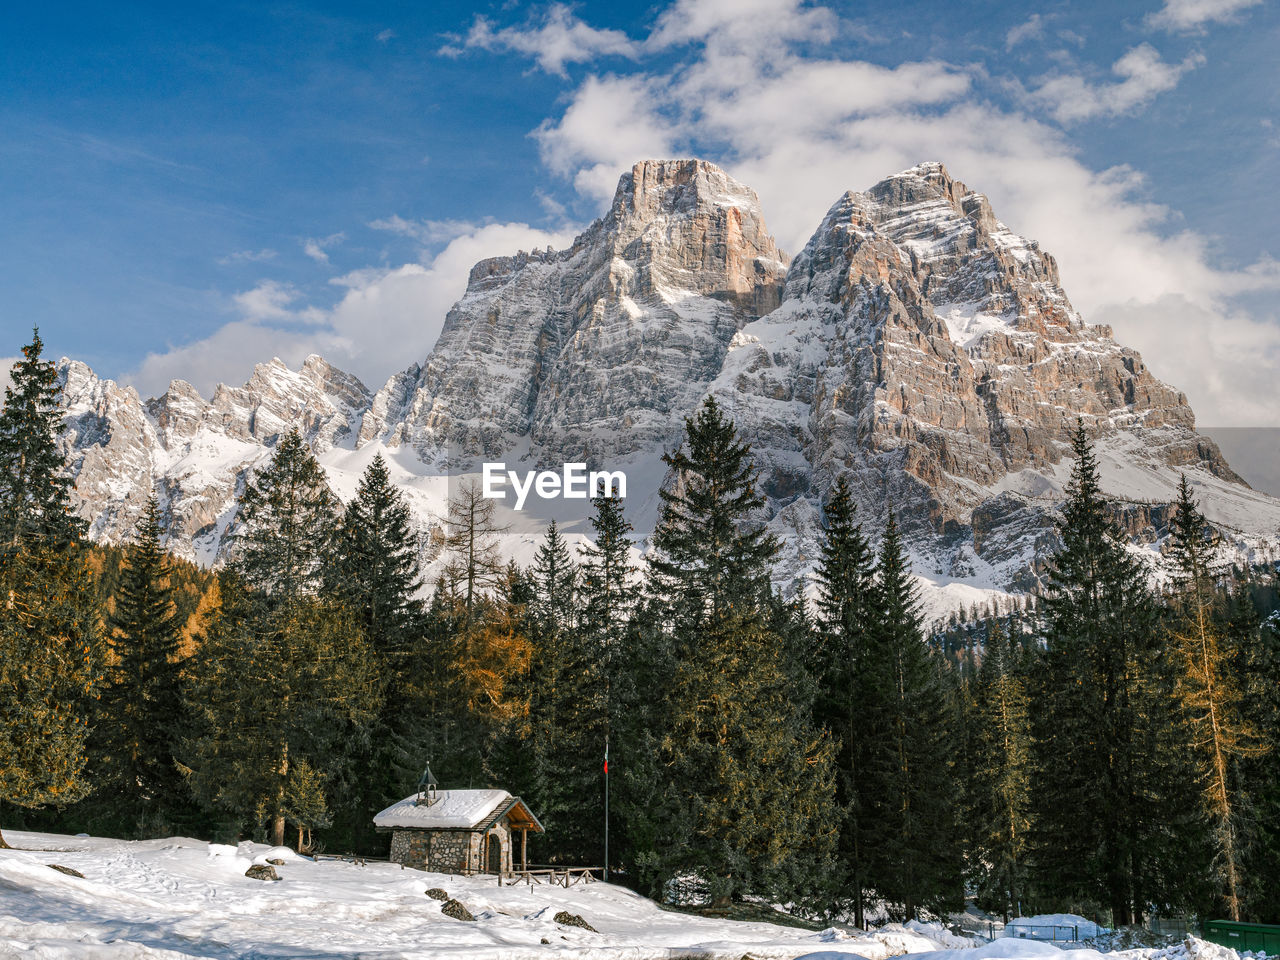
{"type": "Point", "coordinates": [188, 189]}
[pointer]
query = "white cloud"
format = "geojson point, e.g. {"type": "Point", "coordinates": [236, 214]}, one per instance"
{"type": "Point", "coordinates": [269, 300]}
{"type": "Point", "coordinates": [611, 123]}
{"type": "Point", "coordinates": [802, 131]}
{"type": "Point", "coordinates": [426, 232]}
{"type": "Point", "coordinates": [1223, 358]}
{"type": "Point", "coordinates": [385, 320]}
{"type": "Point", "coordinates": [1194, 14]}
{"type": "Point", "coordinates": [248, 256]}
{"type": "Point", "coordinates": [1031, 29]}
{"type": "Point", "coordinates": [385, 36]}
{"type": "Point", "coordinates": [1070, 98]}
{"type": "Point", "coordinates": [558, 38]}
{"type": "Point", "coordinates": [757, 27]}
{"type": "Point", "coordinates": [317, 249]}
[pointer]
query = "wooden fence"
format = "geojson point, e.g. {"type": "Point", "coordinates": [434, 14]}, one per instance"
{"type": "Point", "coordinates": [552, 876]}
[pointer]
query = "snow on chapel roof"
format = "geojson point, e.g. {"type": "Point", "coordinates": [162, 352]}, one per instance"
{"type": "Point", "coordinates": [453, 810]}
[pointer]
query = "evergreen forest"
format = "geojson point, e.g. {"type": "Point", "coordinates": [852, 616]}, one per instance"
{"type": "Point", "coordinates": [1106, 746]}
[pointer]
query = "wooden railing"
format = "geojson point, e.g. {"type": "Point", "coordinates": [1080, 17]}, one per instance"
{"type": "Point", "coordinates": [553, 876]}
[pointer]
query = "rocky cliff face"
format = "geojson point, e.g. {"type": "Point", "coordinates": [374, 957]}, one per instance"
{"type": "Point", "coordinates": [191, 452]}
{"type": "Point", "coordinates": [915, 344]}
{"type": "Point", "coordinates": [932, 355]}
{"type": "Point", "coordinates": [597, 350]}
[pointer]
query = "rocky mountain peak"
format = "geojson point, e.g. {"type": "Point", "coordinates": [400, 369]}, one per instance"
{"type": "Point", "coordinates": [687, 224]}
{"type": "Point", "coordinates": [923, 183]}
{"type": "Point", "coordinates": [665, 187]}
{"type": "Point", "coordinates": [586, 350]}
{"type": "Point", "coordinates": [918, 346]}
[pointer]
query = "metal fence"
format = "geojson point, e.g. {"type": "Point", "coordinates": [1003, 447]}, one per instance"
{"type": "Point", "coordinates": [1049, 932]}
{"type": "Point", "coordinates": [1170, 926]}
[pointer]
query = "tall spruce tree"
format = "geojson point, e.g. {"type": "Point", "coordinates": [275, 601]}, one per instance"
{"type": "Point", "coordinates": [707, 557]}
{"type": "Point", "coordinates": [1092, 835]}
{"type": "Point", "coordinates": [846, 613]}
{"type": "Point", "coordinates": [378, 571]}
{"type": "Point", "coordinates": [35, 488]}
{"type": "Point", "coordinates": [377, 575]}
{"type": "Point", "coordinates": [744, 778]}
{"type": "Point", "coordinates": [747, 778]}
{"type": "Point", "coordinates": [575, 701]}
{"type": "Point", "coordinates": [607, 592]}
{"type": "Point", "coordinates": [287, 521]}
{"type": "Point", "coordinates": [51, 666]}
{"type": "Point", "coordinates": [141, 711]}
{"type": "Point", "coordinates": [1218, 730]}
{"type": "Point", "coordinates": [1258, 645]}
{"type": "Point", "coordinates": [273, 686]}
{"type": "Point", "coordinates": [1000, 798]}
{"type": "Point", "coordinates": [284, 674]}
{"type": "Point", "coordinates": [911, 762]}
{"type": "Point", "coordinates": [554, 578]}
{"type": "Point", "coordinates": [51, 652]}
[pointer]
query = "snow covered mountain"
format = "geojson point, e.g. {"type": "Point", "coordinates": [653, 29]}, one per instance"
{"type": "Point", "coordinates": [595, 351]}
{"type": "Point", "coordinates": [915, 343]}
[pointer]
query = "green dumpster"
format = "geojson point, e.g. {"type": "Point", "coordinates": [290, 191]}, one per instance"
{"type": "Point", "coordinates": [1255, 937]}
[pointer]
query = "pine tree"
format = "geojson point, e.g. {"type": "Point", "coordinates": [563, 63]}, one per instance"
{"type": "Point", "coordinates": [846, 608]}
{"type": "Point", "coordinates": [378, 570]}
{"type": "Point", "coordinates": [742, 784]}
{"type": "Point", "coordinates": [1092, 837]}
{"type": "Point", "coordinates": [1258, 646]}
{"type": "Point", "coordinates": [1218, 731]}
{"type": "Point", "coordinates": [574, 698]}
{"type": "Point", "coordinates": [35, 489]}
{"type": "Point", "coordinates": [377, 575]}
{"type": "Point", "coordinates": [287, 519]}
{"type": "Point", "coordinates": [141, 710]}
{"type": "Point", "coordinates": [746, 789]}
{"type": "Point", "coordinates": [1000, 805]}
{"type": "Point", "coordinates": [910, 762]}
{"type": "Point", "coordinates": [284, 674]}
{"type": "Point", "coordinates": [51, 656]}
{"type": "Point", "coordinates": [273, 685]}
{"type": "Point", "coordinates": [554, 576]}
{"type": "Point", "coordinates": [608, 591]}
{"type": "Point", "coordinates": [51, 664]}
{"type": "Point", "coordinates": [706, 556]}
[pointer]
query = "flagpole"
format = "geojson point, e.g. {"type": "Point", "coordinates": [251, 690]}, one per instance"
{"type": "Point", "coordinates": [606, 807]}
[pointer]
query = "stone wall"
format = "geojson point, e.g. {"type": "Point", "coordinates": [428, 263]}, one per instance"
{"type": "Point", "coordinates": [450, 851]}
{"type": "Point", "coordinates": [443, 851]}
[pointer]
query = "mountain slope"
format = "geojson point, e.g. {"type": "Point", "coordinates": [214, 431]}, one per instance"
{"type": "Point", "coordinates": [596, 350]}
{"type": "Point", "coordinates": [915, 343]}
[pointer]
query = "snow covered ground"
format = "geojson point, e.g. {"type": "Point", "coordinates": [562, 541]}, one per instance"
{"type": "Point", "coordinates": [186, 898]}
{"type": "Point", "coordinates": [183, 898]}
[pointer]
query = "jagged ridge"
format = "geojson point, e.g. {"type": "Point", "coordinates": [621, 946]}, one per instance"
{"type": "Point", "coordinates": [915, 343]}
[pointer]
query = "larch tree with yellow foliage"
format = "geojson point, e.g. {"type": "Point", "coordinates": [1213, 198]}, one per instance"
{"type": "Point", "coordinates": [1211, 694]}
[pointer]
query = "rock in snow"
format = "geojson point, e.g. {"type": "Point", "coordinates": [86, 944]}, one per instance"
{"type": "Point", "coordinates": [915, 344]}
{"type": "Point", "coordinates": [573, 920]}
{"type": "Point", "coordinates": [456, 910]}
